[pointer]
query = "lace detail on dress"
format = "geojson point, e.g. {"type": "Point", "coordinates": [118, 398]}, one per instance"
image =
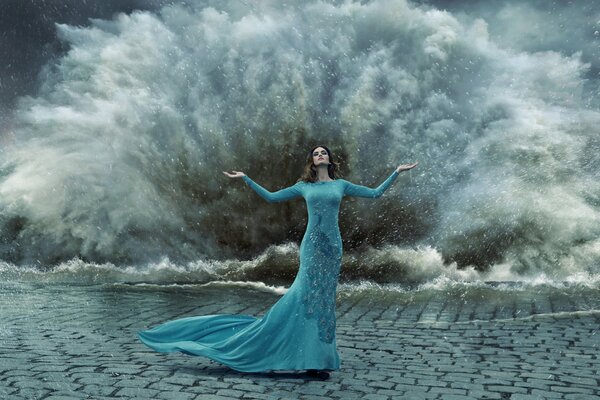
{"type": "Point", "coordinates": [319, 298]}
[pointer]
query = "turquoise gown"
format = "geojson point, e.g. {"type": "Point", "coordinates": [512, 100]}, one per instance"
{"type": "Point", "coordinates": [298, 331]}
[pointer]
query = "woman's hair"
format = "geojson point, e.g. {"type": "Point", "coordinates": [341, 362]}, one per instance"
{"type": "Point", "coordinates": [310, 171]}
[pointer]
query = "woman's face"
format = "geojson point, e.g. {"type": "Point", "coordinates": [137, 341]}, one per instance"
{"type": "Point", "coordinates": [320, 156]}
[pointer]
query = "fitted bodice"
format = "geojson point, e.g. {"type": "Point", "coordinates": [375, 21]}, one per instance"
{"type": "Point", "coordinates": [323, 201]}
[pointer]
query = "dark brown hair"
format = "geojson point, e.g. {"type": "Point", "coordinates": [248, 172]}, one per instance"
{"type": "Point", "coordinates": [310, 171]}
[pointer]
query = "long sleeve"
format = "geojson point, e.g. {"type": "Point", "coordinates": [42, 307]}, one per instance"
{"type": "Point", "coordinates": [352, 189]}
{"type": "Point", "coordinates": [272, 197]}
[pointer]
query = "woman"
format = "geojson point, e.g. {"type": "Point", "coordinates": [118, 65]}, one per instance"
{"type": "Point", "coordinates": [298, 332]}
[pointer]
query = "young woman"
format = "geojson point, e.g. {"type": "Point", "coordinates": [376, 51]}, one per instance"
{"type": "Point", "coordinates": [298, 332]}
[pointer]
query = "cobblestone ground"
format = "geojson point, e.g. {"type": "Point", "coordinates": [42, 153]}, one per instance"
{"type": "Point", "coordinates": [65, 342]}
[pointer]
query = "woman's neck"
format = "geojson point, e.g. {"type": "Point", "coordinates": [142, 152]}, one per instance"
{"type": "Point", "coordinates": [323, 174]}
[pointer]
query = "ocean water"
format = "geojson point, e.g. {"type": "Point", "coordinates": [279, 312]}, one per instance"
{"type": "Point", "coordinates": [438, 298]}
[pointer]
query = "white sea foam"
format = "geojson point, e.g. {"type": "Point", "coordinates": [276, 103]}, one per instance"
{"type": "Point", "coordinates": [388, 269]}
{"type": "Point", "coordinates": [117, 158]}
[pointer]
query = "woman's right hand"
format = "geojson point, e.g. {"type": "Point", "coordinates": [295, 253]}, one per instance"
{"type": "Point", "coordinates": [236, 174]}
{"type": "Point", "coordinates": [406, 167]}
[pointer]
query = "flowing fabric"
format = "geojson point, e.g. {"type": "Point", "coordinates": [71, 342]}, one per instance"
{"type": "Point", "coordinates": [298, 331]}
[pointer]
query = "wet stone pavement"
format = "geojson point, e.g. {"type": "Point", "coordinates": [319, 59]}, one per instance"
{"type": "Point", "coordinates": [69, 342]}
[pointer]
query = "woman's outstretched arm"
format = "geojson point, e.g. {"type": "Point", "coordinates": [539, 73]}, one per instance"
{"type": "Point", "coordinates": [352, 189]}
{"type": "Point", "coordinates": [272, 197]}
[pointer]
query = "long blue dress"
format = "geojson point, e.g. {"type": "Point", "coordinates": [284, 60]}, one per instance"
{"type": "Point", "coordinates": [298, 331]}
